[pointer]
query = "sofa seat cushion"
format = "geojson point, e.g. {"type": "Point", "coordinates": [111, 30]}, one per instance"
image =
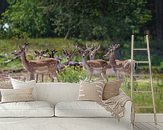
{"type": "Point", "coordinates": [26, 109]}
{"type": "Point", "coordinates": [80, 109]}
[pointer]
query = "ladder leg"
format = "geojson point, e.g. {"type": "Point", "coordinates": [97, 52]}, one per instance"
{"type": "Point", "coordinates": [151, 80]}
{"type": "Point", "coordinates": [132, 54]}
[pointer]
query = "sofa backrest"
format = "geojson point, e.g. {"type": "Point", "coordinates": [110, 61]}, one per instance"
{"type": "Point", "coordinates": [57, 92]}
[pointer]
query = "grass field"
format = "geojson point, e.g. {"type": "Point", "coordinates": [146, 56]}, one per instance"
{"type": "Point", "coordinates": [144, 99]}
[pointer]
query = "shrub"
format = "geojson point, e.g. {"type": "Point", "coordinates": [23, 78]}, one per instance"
{"type": "Point", "coordinates": [71, 75]}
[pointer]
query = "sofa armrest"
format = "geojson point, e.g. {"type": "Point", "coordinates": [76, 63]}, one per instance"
{"type": "Point", "coordinates": [127, 119]}
{"type": "Point", "coordinates": [128, 111]}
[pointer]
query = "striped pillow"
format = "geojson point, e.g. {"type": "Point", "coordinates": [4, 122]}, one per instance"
{"type": "Point", "coordinates": [16, 95]}
{"type": "Point", "coordinates": [91, 91]}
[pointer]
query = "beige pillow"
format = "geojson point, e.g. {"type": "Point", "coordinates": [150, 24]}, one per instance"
{"type": "Point", "coordinates": [19, 84]}
{"type": "Point", "coordinates": [5, 84]}
{"type": "Point", "coordinates": [111, 89]}
{"type": "Point", "coordinates": [91, 91]}
{"type": "Point", "coordinates": [16, 95]}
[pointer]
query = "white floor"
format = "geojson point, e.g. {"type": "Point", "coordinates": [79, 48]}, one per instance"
{"type": "Point", "coordinates": [143, 122]}
{"type": "Point", "coordinates": [148, 126]}
{"type": "Point", "coordinates": [62, 124]}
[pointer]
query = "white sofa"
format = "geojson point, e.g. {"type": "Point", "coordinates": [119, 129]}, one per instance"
{"type": "Point", "coordinates": [57, 108]}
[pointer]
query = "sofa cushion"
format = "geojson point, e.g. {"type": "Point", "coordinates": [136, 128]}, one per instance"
{"type": "Point", "coordinates": [26, 109]}
{"type": "Point", "coordinates": [19, 84]}
{"type": "Point", "coordinates": [80, 109]}
{"type": "Point", "coordinates": [16, 95]}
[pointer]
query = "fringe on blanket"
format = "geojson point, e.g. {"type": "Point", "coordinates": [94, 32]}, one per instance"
{"type": "Point", "coordinates": [116, 105]}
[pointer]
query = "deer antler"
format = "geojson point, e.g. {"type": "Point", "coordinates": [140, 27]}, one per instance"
{"type": "Point", "coordinates": [110, 47]}
{"type": "Point", "coordinates": [52, 52]}
{"type": "Point", "coordinates": [89, 48]}
{"type": "Point", "coordinates": [117, 46]}
{"type": "Point", "coordinates": [25, 45]}
{"type": "Point", "coordinates": [97, 48]}
{"type": "Point", "coordinates": [80, 49]}
{"type": "Point", "coordinates": [46, 51]}
{"type": "Point", "coordinates": [64, 51]}
{"type": "Point", "coordinates": [36, 53]}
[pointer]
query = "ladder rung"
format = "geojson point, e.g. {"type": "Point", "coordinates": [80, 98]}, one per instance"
{"type": "Point", "coordinates": [142, 91]}
{"type": "Point", "coordinates": [141, 75]}
{"type": "Point", "coordinates": [144, 62]}
{"type": "Point", "coordinates": [140, 49]}
{"type": "Point", "coordinates": [144, 106]}
{"type": "Point", "coordinates": [139, 80]}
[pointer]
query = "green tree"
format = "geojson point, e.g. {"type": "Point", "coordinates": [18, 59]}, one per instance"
{"type": "Point", "coordinates": [25, 18]}
{"type": "Point", "coordinates": [95, 19]}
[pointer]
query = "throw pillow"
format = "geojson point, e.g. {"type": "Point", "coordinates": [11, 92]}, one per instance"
{"type": "Point", "coordinates": [19, 84]}
{"type": "Point", "coordinates": [91, 91]}
{"type": "Point", "coordinates": [5, 84]}
{"type": "Point", "coordinates": [111, 89]}
{"type": "Point", "coordinates": [16, 95]}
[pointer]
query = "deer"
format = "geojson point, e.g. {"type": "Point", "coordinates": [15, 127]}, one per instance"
{"type": "Point", "coordinates": [40, 55]}
{"type": "Point", "coordinates": [111, 56]}
{"type": "Point", "coordinates": [93, 67]}
{"type": "Point", "coordinates": [43, 66]}
{"type": "Point", "coordinates": [93, 52]}
{"type": "Point", "coordinates": [69, 57]}
{"type": "Point", "coordinates": [52, 53]}
{"type": "Point", "coordinates": [120, 67]}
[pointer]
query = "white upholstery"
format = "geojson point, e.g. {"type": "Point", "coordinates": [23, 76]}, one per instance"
{"type": "Point", "coordinates": [26, 109]}
{"type": "Point", "coordinates": [80, 109]}
{"type": "Point", "coordinates": [57, 92]}
{"type": "Point", "coordinates": [67, 92]}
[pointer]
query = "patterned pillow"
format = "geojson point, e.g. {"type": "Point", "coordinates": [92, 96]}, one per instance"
{"type": "Point", "coordinates": [111, 89]}
{"type": "Point", "coordinates": [91, 91]}
{"type": "Point", "coordinates": [16, 95]}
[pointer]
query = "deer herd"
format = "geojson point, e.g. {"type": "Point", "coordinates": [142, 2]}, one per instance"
{"type": "Point", "coordinates": [47, 62]}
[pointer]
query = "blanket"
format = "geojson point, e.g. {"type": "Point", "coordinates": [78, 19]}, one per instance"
{"type": "Point", "coordinates": [116, 105]}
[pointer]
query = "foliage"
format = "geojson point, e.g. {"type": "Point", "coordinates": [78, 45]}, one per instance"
{"type": "Point", "coordinates": [24, 18]}
{"type": "Point", "coordinates": [72, 75]}
{"type": "Point", "coordinates": [84, 19]}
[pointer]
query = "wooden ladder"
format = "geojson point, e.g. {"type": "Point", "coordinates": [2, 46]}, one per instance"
{"type": "Point", "coordinates": [151, 91]}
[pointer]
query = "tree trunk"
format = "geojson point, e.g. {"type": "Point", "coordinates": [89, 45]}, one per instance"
{"type": "Point", "coordinates": [3, 6]}
{"type": "Point", "coordinates": [159, 19]}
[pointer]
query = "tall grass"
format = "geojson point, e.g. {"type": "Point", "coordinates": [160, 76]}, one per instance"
{"type": "Point", "coordinates": [144, 99]}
